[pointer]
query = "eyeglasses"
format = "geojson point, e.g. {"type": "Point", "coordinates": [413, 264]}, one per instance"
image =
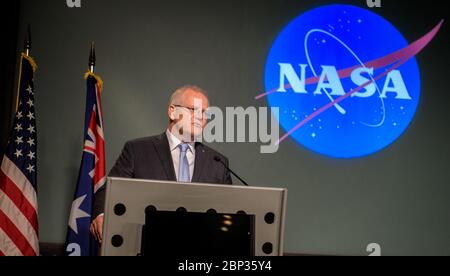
{"type": "Point", "coordinates": [194, 111]}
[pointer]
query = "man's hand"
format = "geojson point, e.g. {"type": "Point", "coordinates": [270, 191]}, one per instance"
{"type": "Point", "coordinates": [97, 228]}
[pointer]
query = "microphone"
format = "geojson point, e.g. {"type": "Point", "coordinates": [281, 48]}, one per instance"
{"type": "Point", "coordinates": [218, 159]}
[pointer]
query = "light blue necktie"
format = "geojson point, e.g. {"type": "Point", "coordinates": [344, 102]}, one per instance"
{"type": "Point", "coordinates": [183, 171]}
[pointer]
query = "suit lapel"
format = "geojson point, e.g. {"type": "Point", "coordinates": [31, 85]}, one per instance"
{"type": "Point", "coordinates": [200, 161]}
{"type": "Point", "coordinates": [165, 156]}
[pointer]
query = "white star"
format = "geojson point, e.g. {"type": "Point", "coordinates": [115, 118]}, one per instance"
{"type": "Point", "coordinates": [30, 90]}
{"type": "Point", "coordinates": [19, 115]}
{"type": "Point", "coordinates": [77, 213]}
{"type": "Point", "coordinates": [18, 127]}
{"type": "Point", "coordinates": [30, 115]}
{"type": "Point", "coordinates": [31, 142]}
{"type": "Point", "coordinates": [19, 140]}
{"type": "Point", "coordinates": [313, 135]}
{"type": "Point", "coordinates": [31, 129]}
{"type": "Point", "coordinates": [31, 155]}
{"type": "Point", "coordinates": [30, 168]}
{"type": "Point", "coordinates": [18, 153]}
{"type": "Point", "coordinates": [30, 103]}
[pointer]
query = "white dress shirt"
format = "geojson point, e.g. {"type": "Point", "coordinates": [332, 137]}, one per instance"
{"type": "Point", "coordinates": [174, 143]}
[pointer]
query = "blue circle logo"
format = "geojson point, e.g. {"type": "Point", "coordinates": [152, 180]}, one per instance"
{"type": "Point", "coordinates": [343, 81]}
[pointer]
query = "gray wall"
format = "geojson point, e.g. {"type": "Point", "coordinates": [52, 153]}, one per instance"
{"type": "Point", "coordinates": [145, 49]}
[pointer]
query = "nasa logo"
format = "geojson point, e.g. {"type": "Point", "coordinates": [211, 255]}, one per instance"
{"type": "Point", "coordinates": [345, 80]}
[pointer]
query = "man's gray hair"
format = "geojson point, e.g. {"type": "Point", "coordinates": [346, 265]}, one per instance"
{"type": "Point", "coordinates": [177, 96]}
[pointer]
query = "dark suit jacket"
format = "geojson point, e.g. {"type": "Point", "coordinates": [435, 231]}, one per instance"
{"type": "Point", "coordinates": [150, 158]}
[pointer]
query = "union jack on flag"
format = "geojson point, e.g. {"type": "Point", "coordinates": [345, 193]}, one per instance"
{"type": "Point", "coordinates": [18, 186]}
{"type": "Point", "coordinates": [92, 174]}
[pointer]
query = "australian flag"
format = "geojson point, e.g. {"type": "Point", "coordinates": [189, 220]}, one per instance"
{"type": "Point", "coordinates": [92, 175]}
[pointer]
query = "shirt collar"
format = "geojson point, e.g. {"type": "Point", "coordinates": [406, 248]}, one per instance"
{"type": "Point", "coordinates": [174, 142]}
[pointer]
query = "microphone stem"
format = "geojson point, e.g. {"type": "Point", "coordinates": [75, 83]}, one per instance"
{"type": "Point", "coordinates": [245, 183]}
{"type": "Point", "coordinates": [231, 171]}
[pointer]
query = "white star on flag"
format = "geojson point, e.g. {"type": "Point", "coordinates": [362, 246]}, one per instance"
{"type": "Point", "coordinates": [31, 155]}
{"type": "Point", "coordinates": [30, 115]}
{"type": "Point", "coordinates": [31, 129]}
{"type": "Point", "coordinates": [30, 168]}
{"type": "Point", "coordinates": [30, 90]}
{"type": "Point", "coordinates": [19, 115]}
{"type": "Point", "coordinates": [18, 153]}
{"type": "Point", "coordinates": [31, 142]}
{"type": "Point", "coordinates": [77, 213]}
{"type": "Point", "coordinates": [18, 127]}
{"type": "Point", "coordinates": [30, 103]}
{"type": "Point", "coordinates": [19, 140]}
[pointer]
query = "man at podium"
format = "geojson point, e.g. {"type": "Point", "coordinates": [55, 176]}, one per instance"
{"type": "Point", "coordinates": [175, 155]}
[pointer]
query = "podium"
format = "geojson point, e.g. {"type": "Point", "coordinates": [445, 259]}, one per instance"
{"type": "Point", "coordinates": [148, 217]}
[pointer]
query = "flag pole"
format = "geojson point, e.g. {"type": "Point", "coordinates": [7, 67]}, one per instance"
{"type": "Point", "coordinates": [92, 62]}
{"type": "Point", "coordinates": [92, 58]}
{"type": "Point", "coordinates": [27, 51]}
{"type": "Point", "coordinates": [28, 41]}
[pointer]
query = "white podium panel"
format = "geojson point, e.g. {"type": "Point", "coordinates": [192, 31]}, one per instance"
{"type": "Point", "coordinates": [127, 199]}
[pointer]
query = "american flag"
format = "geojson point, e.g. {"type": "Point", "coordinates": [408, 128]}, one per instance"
{"type": "Point", "coordinates": [18, 189]}
{"type": "Point", "coordinates": [92, 174]}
